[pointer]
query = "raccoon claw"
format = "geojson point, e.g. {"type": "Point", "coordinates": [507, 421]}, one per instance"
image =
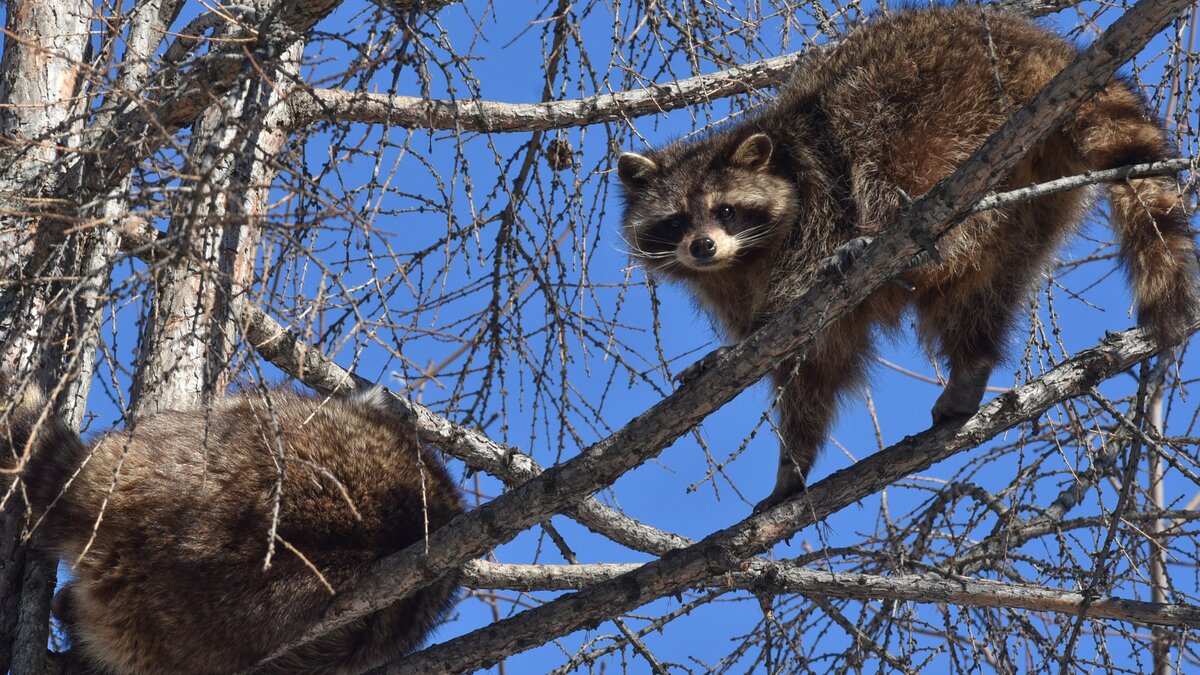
{"type": "Point", "coordinates": [707, 361]}
{"type": "Point", "coordinates": [843, 258]}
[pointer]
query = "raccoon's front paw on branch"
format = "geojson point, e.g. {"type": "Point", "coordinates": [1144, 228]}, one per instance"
{"type": "Point", "coordinates": [843, 258]}
{"type": "Point", "coordinates": [707, 361]}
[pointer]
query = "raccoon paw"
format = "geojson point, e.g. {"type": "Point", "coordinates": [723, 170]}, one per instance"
{"type": "Point", "coordinates": [788, 484]}
{"type": "Point", "coordinates": [843, 258]}
{"type": "Point", "coordinates": [962, 395]}
{"type": "Point", "coordinates": [772, 500]}
{"type": "Point", "coordinates": [956, 403]}
{"type": "Point", "coordinates": [950, 410]}
{"type": "Point", "coordinates": [707, 361]}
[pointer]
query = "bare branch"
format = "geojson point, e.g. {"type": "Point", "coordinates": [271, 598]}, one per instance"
{"type": "Point", "coordinates": [493, 116]}
{"type": "Point", "coordinates": [1164, 168]}
{"type": "Point", "coordinates": [415, 112]}
{"type": "Point", "coordinates": [781, 577]}
{"type": "Point", "coordinates": [286, 351]}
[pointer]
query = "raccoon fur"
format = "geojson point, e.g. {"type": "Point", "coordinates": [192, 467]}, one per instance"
{"type": "Point", "coordinates": [166, 526]}
{"type": "Point", "coordinates": [745, 215]}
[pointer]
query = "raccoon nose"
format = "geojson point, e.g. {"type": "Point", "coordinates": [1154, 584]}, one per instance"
{"type": "Point", "coordinates": [702, 248]}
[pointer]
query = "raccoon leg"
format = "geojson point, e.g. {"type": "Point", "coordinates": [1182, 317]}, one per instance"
{"type": "Point", "coordinates": [970, 329]}
{"type": "Point", "coordinates": [963, 393]}
{"type": "Point", "coordinates": [809, 400]}
{"type": "Point", "coordinates": [970, 335]}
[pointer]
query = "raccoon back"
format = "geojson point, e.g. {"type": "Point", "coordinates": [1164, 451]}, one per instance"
{"type": "Point", "coordinates": [180, 515]}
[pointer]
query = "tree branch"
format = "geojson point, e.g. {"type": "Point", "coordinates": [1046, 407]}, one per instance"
{"type": "Point", "coordinates": [494, 116]}
{"type": "Point", "coordinates": [1162, 168]}
{"type": "Point", "coordinates": [782, 577]}
{"type": "Point", "coordinates": [287, 352]}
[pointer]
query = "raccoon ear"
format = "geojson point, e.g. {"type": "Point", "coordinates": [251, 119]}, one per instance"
{"type": "Point", "coordinates": [635, 170]}
{"type": "Point", "coordinates": [753, 153]}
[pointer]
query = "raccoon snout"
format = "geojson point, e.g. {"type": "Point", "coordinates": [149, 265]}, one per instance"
{"type": "Point", "coordinates": [703, 248]}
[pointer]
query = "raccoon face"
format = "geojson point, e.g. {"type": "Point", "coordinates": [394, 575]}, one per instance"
{"type": "Point", "coordinates": [704, 217]}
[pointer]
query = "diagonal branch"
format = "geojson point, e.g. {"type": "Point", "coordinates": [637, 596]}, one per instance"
{"type": "Point", "coordinates": [286, 351]}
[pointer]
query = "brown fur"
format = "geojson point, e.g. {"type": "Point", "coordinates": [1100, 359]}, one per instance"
{"type": "Point", "coordinates": [173, 580]}
{"type": "Point", "coordinates": [895, 107]}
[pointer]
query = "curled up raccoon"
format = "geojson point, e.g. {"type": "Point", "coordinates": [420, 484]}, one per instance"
{"type": "Point", "coordinates": [166, 526]}
{"type": "Point", "coordinates": [745, 216]}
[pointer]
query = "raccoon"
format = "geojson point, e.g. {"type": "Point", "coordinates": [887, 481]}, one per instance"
{"type": "Point", "coordinates": [746, 216]}
{"type": "Point", "coordinates": [167, 525]}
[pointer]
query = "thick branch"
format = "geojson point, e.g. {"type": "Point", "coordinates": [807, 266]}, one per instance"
{"type": "Point", "coordinates": [474, 533]}
{"type": "Point", "coordinates": [45, 43]}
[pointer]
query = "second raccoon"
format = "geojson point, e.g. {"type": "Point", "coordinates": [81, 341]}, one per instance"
{"type": "Point", "coordinates": [745, 216]}
{"type": "Point", "coordinates": [167, 525]}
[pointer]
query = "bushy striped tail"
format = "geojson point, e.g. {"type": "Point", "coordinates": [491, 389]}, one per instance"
{"type": "Point", "coordinates": [1151, 215]}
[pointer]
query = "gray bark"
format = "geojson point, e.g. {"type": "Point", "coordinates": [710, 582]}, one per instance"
{"type": "Point", "coordinates": [781, 577]}
{"type": "Point", "coordinates": [188, 344]}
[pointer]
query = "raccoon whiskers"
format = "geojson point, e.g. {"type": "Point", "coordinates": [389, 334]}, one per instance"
{"type": "Point", "coordinates": [634, 250]}
{"type": "Point", "coordinates": [753, 235]}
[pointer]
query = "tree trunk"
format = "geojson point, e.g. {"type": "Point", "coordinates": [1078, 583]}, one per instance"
{"type": "Point", "coordinates": [190, 339]}
{"type": "Point", "coordinates": [44, 55]}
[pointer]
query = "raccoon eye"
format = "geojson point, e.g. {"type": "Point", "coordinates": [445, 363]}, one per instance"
{"type": "Point", "coordinates": [725, 213]}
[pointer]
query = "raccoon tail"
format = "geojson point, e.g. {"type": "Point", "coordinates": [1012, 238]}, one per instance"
{"type": "Point", "coordinates": [39, 453]}
{"type": "Point", "coordinates": [1151, 214]}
